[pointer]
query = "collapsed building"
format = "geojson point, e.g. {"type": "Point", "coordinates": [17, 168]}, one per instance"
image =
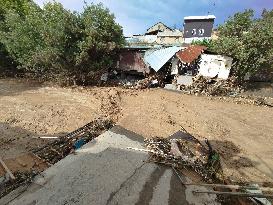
{"type": "Point", "coordinates": [162, 53]}
{"type": "Point", "coordinates": [174, 64]}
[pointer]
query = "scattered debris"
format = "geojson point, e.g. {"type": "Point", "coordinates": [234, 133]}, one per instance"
{"type": "Point", "coordinates": [21, 178]}
{"type": "Point", "coordinates": [242, 194]}
{"type": "Point", "coordinates": [57, 150]}
{"type": "Point", "coordinates": [31, 164]}
{"type": "Point", "coordinates": [25, 163]}
{"type": "Point", "coordinates": [212, 87]}
{"type": "Point", "coordinates": [185, 153]}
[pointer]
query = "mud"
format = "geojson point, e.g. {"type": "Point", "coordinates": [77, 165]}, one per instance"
{"type": "Point", "coordinates": [240, 132]}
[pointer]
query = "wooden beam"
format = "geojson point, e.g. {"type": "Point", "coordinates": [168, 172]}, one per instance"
{"type": "Point", "coordinates": [240, 194]}
{"type": "Point", "coordinates": [269, 189]}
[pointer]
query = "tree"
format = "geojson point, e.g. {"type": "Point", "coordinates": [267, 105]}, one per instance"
{"type": "Point", "coordinates": [45, 40]}
{"type": "Point", "coordinates": [22, 7]}
{"type": "Point", "coordinates": [102, 36]}
{"type": "Point", "coordinates": [249, 41]}
{"type": "Point", "coordinates": [53, 42]}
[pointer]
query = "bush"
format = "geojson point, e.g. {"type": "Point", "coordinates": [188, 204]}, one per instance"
{"type": "Point", "coordinates": [204, 42]}
{"type": "Point", "coordinates": [54, 43]}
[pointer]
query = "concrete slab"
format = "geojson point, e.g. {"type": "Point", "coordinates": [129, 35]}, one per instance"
{"type": "Point", "coordinates": [105, 172]}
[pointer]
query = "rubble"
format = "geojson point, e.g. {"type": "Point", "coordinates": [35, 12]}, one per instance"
{"type": "Point", "coordinates": [212, 87]}
{"type": "Point", "coordinates": [21, 178]}
{"type": "Point", "coordinates": [57, 150]}
{"type": "Point", "coordinates": [187, 154]}
{"type": "Point", "coordinates": [51, 153]}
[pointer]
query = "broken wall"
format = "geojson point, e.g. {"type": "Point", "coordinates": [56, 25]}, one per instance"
{"type": "Point", "coordinates": [132, 61]}
{"type": "Point", "coordinates": [215, 65]}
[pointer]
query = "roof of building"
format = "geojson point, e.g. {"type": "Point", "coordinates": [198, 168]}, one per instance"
{"type": "Point", "coordinates": [170, 33]}
{"type": "Point", "coordinates": [155, 28]}
{"type": "Point", "coordinates": [158, 58]}
{"type": "Point", "coordinates": [199, 17]}
{"type": "Point", "coordinates": [191, 53]}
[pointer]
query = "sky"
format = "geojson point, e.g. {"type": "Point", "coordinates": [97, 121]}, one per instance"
{"type": "Point", "coordinates": [136, 16]}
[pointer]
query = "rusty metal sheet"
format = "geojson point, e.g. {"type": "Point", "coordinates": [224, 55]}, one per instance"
{"type": "Point", "coordinates": [132, 61]}
{"type": "Point", "coordinates": [191, 53]}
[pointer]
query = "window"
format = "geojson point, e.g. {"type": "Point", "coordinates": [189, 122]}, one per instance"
{"type": "Point", "coordinates": [201, 32]}
{"type": "Point", "coordinates": [193, 32]}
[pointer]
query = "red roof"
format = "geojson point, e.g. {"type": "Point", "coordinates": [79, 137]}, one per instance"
{"type": "Point", "coordinates": [191, 53]}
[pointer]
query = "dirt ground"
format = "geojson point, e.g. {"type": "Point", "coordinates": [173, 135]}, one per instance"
{"type": "Point", "coordinates": [242, 133]}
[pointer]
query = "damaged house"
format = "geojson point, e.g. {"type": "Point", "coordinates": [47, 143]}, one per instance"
{"type": "Point", "coordinates": [194, 61]}
{"type": "Point", "coordinates": [177, 63]}
{"type": "Point", "coordinates": [161, 53]}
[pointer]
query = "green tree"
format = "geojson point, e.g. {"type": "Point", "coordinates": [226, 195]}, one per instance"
{"type": "Point", "coordinates": [54, 42]}
{"type": "Point", "coordinates": [101, 37]}
{"type": "Point", "coordinates": [249, 41]}
{"type": "Point", "coordinates": [20, 6]}
{"type": "Point", "coordinates": [45, 40]}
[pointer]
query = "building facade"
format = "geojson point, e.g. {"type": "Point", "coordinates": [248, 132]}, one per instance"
{"type": "Point", "coordinates": [198, 28]}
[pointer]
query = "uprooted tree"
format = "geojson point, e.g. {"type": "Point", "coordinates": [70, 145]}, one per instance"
{"type": "Point", "coordinates": [249, 41]}
{"type": "Point", "coordinates": [57, 44]}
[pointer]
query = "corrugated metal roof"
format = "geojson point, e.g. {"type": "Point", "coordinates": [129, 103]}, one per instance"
{"type": "Point", "coordinates": [199, 17]}
{"type": "Point", "coordinates": [191, 53]}
{"type": "Point", "coordinates": [158, 58]}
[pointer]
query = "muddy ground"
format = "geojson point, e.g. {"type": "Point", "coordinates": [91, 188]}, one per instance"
{"type": "Point", "coordinates": [242, 133]}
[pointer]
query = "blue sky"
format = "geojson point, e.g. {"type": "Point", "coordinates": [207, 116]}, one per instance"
{"type": "Point", "coordinates": [135, 16]}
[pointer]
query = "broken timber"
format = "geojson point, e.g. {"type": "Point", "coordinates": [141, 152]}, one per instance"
{"type": "Point", "coordinates": [241, 194]}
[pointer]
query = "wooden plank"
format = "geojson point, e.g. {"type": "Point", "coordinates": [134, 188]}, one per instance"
{"type": "Point", "coordinates": [267, 189]}
{"type": "Point", "coordinates": [7, 169]}
{"type": "Point", "coordinates": [240, 194]}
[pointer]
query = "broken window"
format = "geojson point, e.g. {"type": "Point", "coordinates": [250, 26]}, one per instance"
{"type": "Point", "coordinates": [201, 32]}
{"type": "Point", "coordinates": [193, 32]}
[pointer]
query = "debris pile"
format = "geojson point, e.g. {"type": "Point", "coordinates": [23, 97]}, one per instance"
{"type": "Point", "coordinates": [212, 87]}
{"type": "Point", "coordinates": [57, 150]}
{"type": "Point", "coordinates": [185, 153]}
{"type": "Point", "coordinates": [249, 100]}
{"type": "Point", "coordinates": [21, 178]}
{"type": "Point", "coordinates": [50, 154]}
